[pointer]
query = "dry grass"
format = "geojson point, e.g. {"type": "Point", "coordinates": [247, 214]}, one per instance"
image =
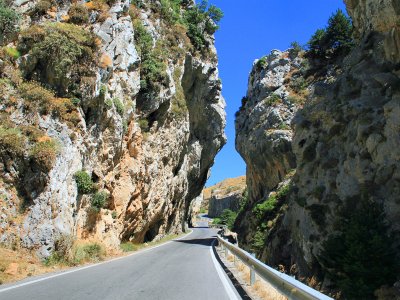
{"type": "Point", "coordinates": [260, 290]}
{"type": "Point", "coordinates": [18, 264]}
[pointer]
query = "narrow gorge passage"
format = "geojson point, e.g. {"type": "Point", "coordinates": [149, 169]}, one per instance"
{"type": "Point", "coordinates": [182, 269]}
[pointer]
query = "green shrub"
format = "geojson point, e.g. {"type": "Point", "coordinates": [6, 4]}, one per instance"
{"type": "Point", "coordinates": [41, 7]}
{"type": "Point", "coordinates": [295, 49]}
{"type": "Point", "coordinates": [144, 125]}
{"type": "Point", "coordinates": [298, 84]}
{"type": "Point", "coordinates": [262, 63]}
{"type": "Point", "coordinates": [8, 22]}
{"type": "Point", "coordinates": [103, 90]}
{"type": "Point", "coordinates": [76, 101]}
{"type": "Point", "coordinates": [84, 182]}
{"type": "Point", "coordinates": [109, 103]}
{"type": "Point", "coordinates": [99, 200]}
{"type": "Point", "coordinates": [129, 247]}
{"type": "Point", "coordinates": [78, 14]}
{"type": "Point", "coordinates": [119, 106]}
{"type": "Point", "coordinates": [63, 51]}
{"type": "Point", "coordinates": [201, 21]}
{"type": "Point", "coordinates": [361, 257]}
{"type": "Point", "coordinates": [269, 204]}
{"type": "Point", "coordinates": [45, 153]}
{"type": "Point", "coordinates": [258, 242]}
{"type": "Point", "coordinates": [12, 141]}
{"type": "Point", "coordinates": [88, 252]}
{"type": "Point", "coordinates": [227, 218]}
{"type": "Point", "coordinates": [12, 52]}
{"type": "Point", "coordinates": [170, 11]}
{"type": "Point", "coordinates": [273, 99]}
{"type": "Point", "coordinates": [36, 96]}
{"type": "Point", "coordinates": [114, 215]}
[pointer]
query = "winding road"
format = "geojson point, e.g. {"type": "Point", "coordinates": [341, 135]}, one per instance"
{"type": "Point", "coordinates": [180, 269]}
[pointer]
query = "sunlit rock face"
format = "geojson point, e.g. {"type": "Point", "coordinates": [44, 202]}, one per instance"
{"type": "Point", "coordinates": [150, 152]}
{"type": "Point", "coordinates": [343, 144]}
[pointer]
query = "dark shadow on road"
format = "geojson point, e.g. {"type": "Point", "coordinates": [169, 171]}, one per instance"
{"type": "Point", "coordinates": [203, 242]}
{"type": "Point", "coordinates": [234, 281]}
{"type": "Point", "coordinates": [201, 227]}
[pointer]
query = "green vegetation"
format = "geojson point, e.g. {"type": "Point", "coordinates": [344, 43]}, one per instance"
{"type": "Point", "coordinates": [333, 41]}
{"type": "Point", "coordinates": [45, 153]}
{"type": "Point", "coordinates": [114, 215]}
{"type": "Point", "coordinates": [361, 257]}
{"type": "Point", "coordinates": [295, 49]}
{"type": "Point", "coordinates": [11, 141]}
{"type": "Point", "coordinates": [63, 48]}
{"type": "Point", "coordinates": [272, 100]}
{"type": "Point", "coordinates": [144, 125]}
{"type": "Point", "coordinates": [36, 96]}
{"type": "Point", "coordinates": [99, 200]}
{"type": "Point", "coordinates": [84, 182]}
{"type": "Point", "coordinates": [178, 103]}
{"type": "Point", "coordinates": [227, 218]}
{"type": "Point", "coordinates": [12, 52]}
{"type": "Point", "coordinates": [130, 246]}
{"type": "Point", "coordinates": [68, 252]}
{"type": "Point", "coordinates": [153, 69]}
{"type": "Point", "coordinates": [261, 209]}
{"type": "Point", "coordinates": [258, 242]}
{"type": "Point", "coordinates": [8, 22]}
{"type": "Point", "coordinates": [200, 20]}
{"type": "Point", "coordinates": [298, 84]}
{"type": "Point", "coordinates": [119, 106]}
{"type": "Point", "coordinates": [262, 63]}
{"type": "Point", "coordinates": [40, 8]}
{"type": "Point", "coordinates": [78, 14]}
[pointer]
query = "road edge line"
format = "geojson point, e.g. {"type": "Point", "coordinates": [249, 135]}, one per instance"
{"type": "Point", "coordinates": [230, 290]}
{"type": "Point", "coordinates": [91, 266]}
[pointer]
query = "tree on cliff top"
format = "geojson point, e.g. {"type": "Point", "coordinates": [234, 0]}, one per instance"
{"type": "Point", "coordinates": [334, 40]}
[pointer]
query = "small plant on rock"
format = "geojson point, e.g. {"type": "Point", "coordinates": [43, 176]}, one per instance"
{"type": "Point", "coordinates": [84, 182]}
{"type": "Point", "coordinates": [99, 200]}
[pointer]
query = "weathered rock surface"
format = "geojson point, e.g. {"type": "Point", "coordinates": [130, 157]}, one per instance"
{"type": "Point", "coordinates": [152, 173]}
{"type": "Point", "coordinates": [218, 203]}
{"type": "Point", "coordinates": [344, 144]}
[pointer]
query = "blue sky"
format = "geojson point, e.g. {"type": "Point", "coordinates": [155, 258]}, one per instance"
{"type": "Point", "coordinates": [249, 30]}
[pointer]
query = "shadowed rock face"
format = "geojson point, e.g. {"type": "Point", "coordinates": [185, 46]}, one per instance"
{"type": "Point", "coordinates": [153, 161]}
{"type": "Point", "coordinates": [344, 145]}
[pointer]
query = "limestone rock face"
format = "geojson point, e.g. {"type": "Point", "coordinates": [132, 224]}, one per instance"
{"type": "Point", "coordinates": [344, 145]}
{"type": "Point", "coordinates": [152, 162]}
{"type": "Point", "coordinates": [263, 124]}
{"type": "Point", "coordinates": [219, 203]}
{"type": "Point", "coordinates": [367, 18]}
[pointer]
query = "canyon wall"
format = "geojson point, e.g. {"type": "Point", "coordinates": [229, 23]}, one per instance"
{"type": "Point", "coordinates": [343, 144]}
{"type": "Point", "coordinates": [133, 120]}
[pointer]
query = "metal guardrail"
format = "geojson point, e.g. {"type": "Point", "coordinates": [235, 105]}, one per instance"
{"type": "Point", "coordinates": [285, 284]}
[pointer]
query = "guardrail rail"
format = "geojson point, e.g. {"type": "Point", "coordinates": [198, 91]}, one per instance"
{"type": "Point", "coordinates": [285, 284]}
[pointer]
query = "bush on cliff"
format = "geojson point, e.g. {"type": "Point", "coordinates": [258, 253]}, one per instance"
{"type": "Point", "coordinates": [227, 218]}
{"type": "Point", "coordinates": [8, 22]}
{"type": "Point", "coordinates": [361, 258]}
{"type": "Point", "coordinates": [201, 20]}
{"type": "Point", "coordinates": [59, 54]}
{"type": "Point", "coordinates": [84, 182]}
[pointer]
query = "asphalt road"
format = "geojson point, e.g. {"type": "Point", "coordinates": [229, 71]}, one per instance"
{"type": "Point", "coordinates": [180, 269]}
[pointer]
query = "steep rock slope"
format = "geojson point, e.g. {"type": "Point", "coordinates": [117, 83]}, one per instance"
{"type": "Point", "coordinates": [345, 148]}
{"type": "Point", "coordinates": [111, 118]}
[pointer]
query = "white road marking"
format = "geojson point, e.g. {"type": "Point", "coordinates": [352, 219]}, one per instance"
{"type": "Point", "coordinates": [90, 266]}
{"type": "Point", "coordinates": [221, 273]}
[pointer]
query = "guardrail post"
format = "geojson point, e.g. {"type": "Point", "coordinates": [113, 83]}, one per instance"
{"type": "Point", "coordinates": [226, 252]}
{"type": "Point", "coordinates": [252, 273]}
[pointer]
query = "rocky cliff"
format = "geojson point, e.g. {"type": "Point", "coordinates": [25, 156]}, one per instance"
{"type": "Point", "coordinates": [340, 207]}
{"type": "Point", "coordinates": [111, 117]}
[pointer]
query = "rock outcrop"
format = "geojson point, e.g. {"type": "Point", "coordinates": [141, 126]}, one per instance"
{"type": "Point", "coordinates": [148, 120]}
{"type": "Point", "coordinates": [343, 143]}
{"type": "Point", "coordinates": [218, 203]}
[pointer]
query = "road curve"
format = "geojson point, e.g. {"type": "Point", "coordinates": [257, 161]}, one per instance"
{"type": "Point", "coordinates": [180, 269]}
